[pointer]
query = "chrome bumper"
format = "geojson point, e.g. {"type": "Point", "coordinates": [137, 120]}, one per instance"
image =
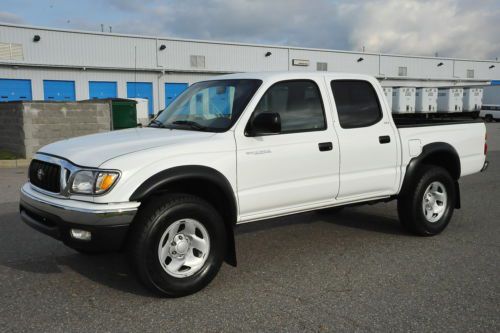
{"type": "Point", "coordinates": [78, 212]}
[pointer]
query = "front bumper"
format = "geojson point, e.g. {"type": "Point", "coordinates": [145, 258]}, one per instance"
{"type": "Point", "coordinates": [107, 223]}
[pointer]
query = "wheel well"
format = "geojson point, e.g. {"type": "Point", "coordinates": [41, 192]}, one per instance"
{"type": "Point", "coordinates": [446, 160]}
{"type": "Point", "coordinates": [439, 154]}
{"type": "Point", "coordinates": [213, 194]}
{"type": "Point", "coordinates": [206, 190]}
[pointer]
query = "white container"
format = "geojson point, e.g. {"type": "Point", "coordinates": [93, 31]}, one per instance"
{"type": "Point", "coordinates": [426, 100]}
{"type": "Point", "coordinates": [450, 99]}
{"type": "Point", "coordinates": [388, 96]}
{"type": "Point", "coordinates": [403, 100]}
{"type": "Point", "coordinates": [473, 99]}
{"type": "Point", "coordinates": [142, 108]}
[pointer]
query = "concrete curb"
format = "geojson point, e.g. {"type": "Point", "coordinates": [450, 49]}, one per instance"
{"type": "Point", "coordinates": [14, 163]}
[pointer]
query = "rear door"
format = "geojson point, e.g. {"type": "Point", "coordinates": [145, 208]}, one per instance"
{"type": "Point", "coordinates": [296, 168]}
{"type": "Point", "coordinates": [367, 138]}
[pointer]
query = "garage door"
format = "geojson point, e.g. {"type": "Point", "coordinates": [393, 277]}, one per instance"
{"type": "Point", "coordinates": [101, 89]}
{"type": "Point", "coordinates": [172, 90]}
{"type": "Point", "coordinates": [59, 90]}
{"type": "Point", "coordinates": [15, 90]}
{"type": "Point", "coordinates": [141, 90]}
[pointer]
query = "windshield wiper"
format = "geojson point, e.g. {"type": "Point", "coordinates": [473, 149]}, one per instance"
{"type": "Point", "coordinates": [191, 124]}
{"type": "Point", "coordinates": [157, 123]}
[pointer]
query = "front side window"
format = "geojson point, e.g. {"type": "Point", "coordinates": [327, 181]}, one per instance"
{"type": "Point", "coordinates": [357, 103]}
{"type": "Point", "coordinates": [298, 103]}
{"type": "Point", "coordinates": [208, 106]}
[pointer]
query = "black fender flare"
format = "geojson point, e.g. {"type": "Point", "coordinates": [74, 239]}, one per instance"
{"type": "Point", "coordinates": [196, 172]}
{"type": "Point", "coordinates": [433, 149]}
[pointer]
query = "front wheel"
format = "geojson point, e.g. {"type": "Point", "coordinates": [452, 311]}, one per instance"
{"type": "Point", "coordinates": [177, 244]}
{"type": "Point", "coordinates": [428, 209]}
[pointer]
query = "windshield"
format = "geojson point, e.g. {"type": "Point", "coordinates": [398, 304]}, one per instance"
{"type": "Point", "coordinates": [208, 106]}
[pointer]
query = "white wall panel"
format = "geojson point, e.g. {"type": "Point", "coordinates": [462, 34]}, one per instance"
{"type": "Point", "coordinates": [222, 57]}
{"type": "Point", "coordinates": [82, 49]}
{"type": "Point", "coordinates": [425, 68]}
{"type": "Point", "coordinates": [337, 61]}
{"type": "Point", "coordinates": [481, 69]}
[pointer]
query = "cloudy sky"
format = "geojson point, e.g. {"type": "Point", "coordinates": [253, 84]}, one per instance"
{"type": "Point", "coordinates": [454, 28]}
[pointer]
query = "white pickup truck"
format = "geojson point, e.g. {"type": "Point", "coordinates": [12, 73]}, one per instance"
{"type": "Point", "coordinates": [241, 148]}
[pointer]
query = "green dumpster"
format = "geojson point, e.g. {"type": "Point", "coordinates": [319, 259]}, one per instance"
{"type": "Point", "coordinates": [124, 113]}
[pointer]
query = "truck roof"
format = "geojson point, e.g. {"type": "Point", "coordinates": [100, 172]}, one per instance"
{"type": "Point", "coordinates": [285, 75]}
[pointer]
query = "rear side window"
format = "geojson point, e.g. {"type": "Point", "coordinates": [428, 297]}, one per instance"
{"type": "Point", "coordinates": [357, 103]}
{"type": "Point", "coordinates": [298, 103]}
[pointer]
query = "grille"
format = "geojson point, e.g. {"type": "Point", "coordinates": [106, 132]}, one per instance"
{"type": "Point", "coordinates": [45, 175]}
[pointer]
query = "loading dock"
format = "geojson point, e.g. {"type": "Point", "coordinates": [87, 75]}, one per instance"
{"type": "Point", "coordinates": [102, 89]}
{"type": "Point", "coordinates": [15, 90]}
{"type": "Point", "coordinates": [172, 90]}
{"type": "Point", "coordinates": [55, 90]}
{"type": "Point", "coordinates": [141, 90]}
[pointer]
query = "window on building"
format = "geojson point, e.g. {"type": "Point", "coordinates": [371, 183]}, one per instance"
{"type": "Point", "coordinates": [403, 71]}
{"type": "Point", "coordinates": [357, 103]}
{"type": "Point", "coordinates": [197, 61]}
{"type": "Point", "coordinates": [470, 73]}
{"type": "Point", "coordinates": [298, 103]}
{"type": "Point", "coordinates": [322, 66]}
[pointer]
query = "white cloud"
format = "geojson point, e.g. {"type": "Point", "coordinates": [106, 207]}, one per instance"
{"type": "Point", "coordinates": [455, 28]}
{"type": "Point", "coordinates": [426, 27]}
{"type": "Point", "coordinates": [10, 18]}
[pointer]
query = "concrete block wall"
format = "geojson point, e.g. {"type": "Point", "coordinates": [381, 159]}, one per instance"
{"type": "Point", "coordinates": [11, 128]}
{"type": "Point", "coordinates": [41, 123]}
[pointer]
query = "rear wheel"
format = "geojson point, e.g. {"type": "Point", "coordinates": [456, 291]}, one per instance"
{"type": "Point", "coordinates": [177, 244]}
{"type": "Point", "coordinates": [488, 118]}
{"type": "Point", "coordinates": [428, 209]}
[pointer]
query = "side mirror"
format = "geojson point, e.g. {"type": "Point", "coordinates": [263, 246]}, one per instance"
{"type": "Point", "coordinates": [265, 124]}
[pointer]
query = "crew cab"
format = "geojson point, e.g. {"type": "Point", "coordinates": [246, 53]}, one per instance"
{"type": "Point", "coordinates": [240, 148]}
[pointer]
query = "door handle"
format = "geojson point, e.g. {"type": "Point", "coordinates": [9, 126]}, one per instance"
{"type": "Point", "coordinates": [325, 146]}
{"type": "Point", "coordinates": [384, 139]}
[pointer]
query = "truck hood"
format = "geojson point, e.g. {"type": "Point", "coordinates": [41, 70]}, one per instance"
{"type": "Point", "coordinates": [93, 150]}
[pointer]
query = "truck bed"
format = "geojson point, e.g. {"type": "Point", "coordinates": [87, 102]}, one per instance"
{"type": "Point", "coordinates": [434, 119]}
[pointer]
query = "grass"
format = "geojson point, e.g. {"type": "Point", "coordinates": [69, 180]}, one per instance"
{"type": "Point", "coordinates": [7, 155]}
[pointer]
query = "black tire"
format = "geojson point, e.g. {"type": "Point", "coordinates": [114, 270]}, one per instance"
{"type": "Point", "coordinates": [410, 210]}
{"type": "Point", "coordinates": [488, 118]}
{"type": "Point", "coordinates": [152, 221]}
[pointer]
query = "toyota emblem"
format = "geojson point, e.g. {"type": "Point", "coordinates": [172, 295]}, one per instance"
{"type": "Point", "coordinates": [40, 174]}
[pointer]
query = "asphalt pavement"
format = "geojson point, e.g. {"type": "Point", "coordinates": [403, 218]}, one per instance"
{"type": "Point", "coordinates": [355, 271]}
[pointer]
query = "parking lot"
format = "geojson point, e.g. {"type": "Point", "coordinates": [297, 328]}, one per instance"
{"type": "Point", "coordinates": [355, 271]}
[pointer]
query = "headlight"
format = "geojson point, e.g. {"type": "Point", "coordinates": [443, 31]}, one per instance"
{"type": "Point", "coordinates": [93, 182]}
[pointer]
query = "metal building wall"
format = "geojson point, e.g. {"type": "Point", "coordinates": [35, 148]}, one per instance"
{"type": "Point", "coordinates": [93, 56]}
{"type": "Point", "coordinates": [337, 61]}
{"type": "Point", "coordinates": [81, 49]}
{"type": "Point", "coordinates": [82, 78]}
{"type": "Point", "coordinates": [221, 57]}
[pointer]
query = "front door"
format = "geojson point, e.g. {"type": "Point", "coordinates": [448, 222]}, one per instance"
{"type": "Point", "coordinates": [298, 167]}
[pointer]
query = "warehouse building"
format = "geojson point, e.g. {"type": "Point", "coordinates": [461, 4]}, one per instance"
{"type": "Point", "coordinates": [64, 65]}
